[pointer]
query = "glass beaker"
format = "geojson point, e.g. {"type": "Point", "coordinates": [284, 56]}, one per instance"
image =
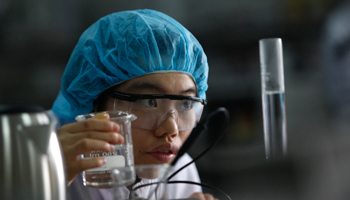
{"type": "Point", "coordinates": [122, 158]}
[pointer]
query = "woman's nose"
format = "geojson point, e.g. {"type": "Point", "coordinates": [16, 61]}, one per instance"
{"type": "Point", "coordinates": [169, 125]}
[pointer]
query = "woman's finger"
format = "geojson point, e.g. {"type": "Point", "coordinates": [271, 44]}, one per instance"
{"type": "Point", "coordinates": [198, 195]}
{"type": "Point", "coordinates": [102, 115]}
{"type": "Point", "coordinates": [86, 145]}
{"type": "Point", "coordinates": [91, 125]}
{"type": "Point", "coordinates": [111, 137]}
{"type": "Point", "coordinates": [73, 168]}
{"type": "Point", "coordinates": [208, 196]}
{"type": "Point", "coordinates": [202, 196]}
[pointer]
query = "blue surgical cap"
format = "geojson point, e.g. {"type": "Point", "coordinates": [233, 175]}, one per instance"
{"type": "Point", "coordinates": [124, 45]}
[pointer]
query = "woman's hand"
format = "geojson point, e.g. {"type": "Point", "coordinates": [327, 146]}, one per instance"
{"type": "Point", "coordinates": [202, 196]}
{"type": "Point", "coordinates": [85, 136]}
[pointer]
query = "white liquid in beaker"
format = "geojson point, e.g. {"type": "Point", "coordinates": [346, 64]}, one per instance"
{"type": "Point", "coordinates": [101, 177]}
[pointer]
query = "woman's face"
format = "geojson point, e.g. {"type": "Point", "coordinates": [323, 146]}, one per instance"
{"type": "Point", "coordinates": [160, 145]}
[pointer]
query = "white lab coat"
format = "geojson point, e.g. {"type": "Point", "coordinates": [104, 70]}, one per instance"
{"type": "Point", "coordinates": [77, 191]}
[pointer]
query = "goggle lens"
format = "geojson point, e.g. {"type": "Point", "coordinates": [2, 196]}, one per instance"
{"type": "Point", "coordinates": [151, 112]}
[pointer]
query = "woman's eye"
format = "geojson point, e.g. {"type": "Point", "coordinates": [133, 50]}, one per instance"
{"type": "Point", "coordinates": [149, 102]}
{"type": "Point", "coordinates": [186, 105]}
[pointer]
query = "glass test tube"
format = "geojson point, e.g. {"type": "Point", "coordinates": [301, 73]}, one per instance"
{"type": "Point", "coordinates": [273, 104]}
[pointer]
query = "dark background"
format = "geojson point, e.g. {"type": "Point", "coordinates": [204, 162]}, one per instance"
{"type": "Point", "coordinates": [37, 37]}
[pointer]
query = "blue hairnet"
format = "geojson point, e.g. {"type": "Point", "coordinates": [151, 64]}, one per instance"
{"type": "Point", "coordinates": [124, 45]}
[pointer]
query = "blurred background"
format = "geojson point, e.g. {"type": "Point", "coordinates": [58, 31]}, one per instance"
{"type": "Point", "coordinates": [37, 37]}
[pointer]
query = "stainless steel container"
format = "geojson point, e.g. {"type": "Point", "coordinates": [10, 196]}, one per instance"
{"type": "Point", "coordinates": [31, 160]}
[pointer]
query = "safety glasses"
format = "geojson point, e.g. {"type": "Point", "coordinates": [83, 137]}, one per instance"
{"type": "Point", "coordinates": [152, 110]}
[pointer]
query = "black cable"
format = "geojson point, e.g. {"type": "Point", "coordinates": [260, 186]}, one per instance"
{"type": "Point", "coordinates": [196, 132]}
{"type": "Point", "coordinates": [221, 133]}
{"type": "Point", "coordinates": [186, 182]}
{"type": "Point", "coordinates": [203, 185]}
{"type": "Point", "coordinates": [201, 126]}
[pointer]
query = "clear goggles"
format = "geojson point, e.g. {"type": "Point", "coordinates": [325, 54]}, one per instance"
{"type": "Point", "coordinates": [152, 110]}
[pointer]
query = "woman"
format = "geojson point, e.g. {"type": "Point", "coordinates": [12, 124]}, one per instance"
{"type": "Point", "coordinates": [134, 53]}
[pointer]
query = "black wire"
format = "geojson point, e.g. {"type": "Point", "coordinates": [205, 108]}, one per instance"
{"type": "Point", "coordinates": [203, 185]}
{"type": "Point", "coordinates": [223, 128]}
{"type": "Point", "coordinates": [186, 182]}
{"type": "Point", "coordinates": [221, 133]}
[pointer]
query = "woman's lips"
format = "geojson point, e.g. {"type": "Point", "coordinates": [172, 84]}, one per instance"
{"type": "Point", "coordinates": [164, 153]}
